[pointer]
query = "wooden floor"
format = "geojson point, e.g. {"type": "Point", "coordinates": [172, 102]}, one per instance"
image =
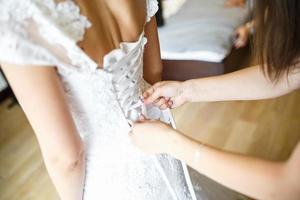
{"type": "Point", "coordinates": [268, 129]}
{"type": "Point", "coordinates": [22, 172]}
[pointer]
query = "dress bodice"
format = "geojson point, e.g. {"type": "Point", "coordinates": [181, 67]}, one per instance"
{"type": "Point", "coordinates": [45, 33]}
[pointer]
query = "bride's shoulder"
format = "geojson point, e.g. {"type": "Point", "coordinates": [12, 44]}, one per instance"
{"type": "Point", "coordinates": [29, 27]}
{"type": "Point", "coordinates": [150, 6]}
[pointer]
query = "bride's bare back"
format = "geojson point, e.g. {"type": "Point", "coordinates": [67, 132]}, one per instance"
{"type": "Point", "coordinates": [114, 21]}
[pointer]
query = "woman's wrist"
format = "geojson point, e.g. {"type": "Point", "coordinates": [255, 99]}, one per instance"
{"type": "Point", "coordinates": [189, 151]}
{"type": "Point", "coordinates": [174, 140]}
{"type": "Point", "coordinates": [187, 88]}
{"type": "Point", "coordinates": [178, 144]}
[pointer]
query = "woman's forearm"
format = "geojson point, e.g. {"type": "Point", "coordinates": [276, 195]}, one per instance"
{"type": "Point", "coordinates": [246, 84]}
{"type": "Point", "coordinates": [254, 177]}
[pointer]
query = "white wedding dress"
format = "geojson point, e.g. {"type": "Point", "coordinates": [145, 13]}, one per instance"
{"type": "Point", "coordinates": [102, 101]}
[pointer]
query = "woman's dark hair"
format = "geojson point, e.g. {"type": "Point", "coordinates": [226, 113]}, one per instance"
{"type": "Point", "coordinates": [277, 38]}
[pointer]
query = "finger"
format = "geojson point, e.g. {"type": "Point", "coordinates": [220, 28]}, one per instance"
{"type": "Point", "coordinates": [153, 93]}
{"type": "Point", "coordinates": [175, 103]}
{"type": "Point", "coordinates": [148, 92]}
{"type": "Point", "coordinates": [170, 103]}
{"type": "Point", "coordinates": [156, 101]}
{"type": "Point", "coordinates": [240, 43]}
{"type": "Point", "coordinates": [154, 96]}
{"type": "Point", "coordinates": [151, 90]}
{"type": "Point", "coordinates": [164, 106]}
{"type": "Point", "coordinates": [160, 102]}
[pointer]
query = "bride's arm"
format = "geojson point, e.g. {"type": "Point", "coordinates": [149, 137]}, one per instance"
{"type": "Point", "coordinates": [152, 59]}
{"type": "Point", "coordinates": [40, 93]}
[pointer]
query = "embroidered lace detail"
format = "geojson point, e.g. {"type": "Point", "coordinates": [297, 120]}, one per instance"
{"type": "Point", "coordinates": [56, 24]}
{"type": "Point", "coordinates": [152, 8]}
{"type": "Point", "coordinates": [65, 15]}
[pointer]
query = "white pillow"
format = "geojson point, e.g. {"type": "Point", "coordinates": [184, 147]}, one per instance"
{"type": "Point", "coordinates": [171, 7]}
{"type": "Point", "coordinates": [201, 30]}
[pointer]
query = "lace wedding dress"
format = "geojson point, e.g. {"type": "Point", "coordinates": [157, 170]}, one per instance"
{"type": "Point", "coordinates": [102, 101]}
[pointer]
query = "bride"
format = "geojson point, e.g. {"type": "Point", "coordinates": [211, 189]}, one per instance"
{"type": "Point", "coordinates": [78, 69]}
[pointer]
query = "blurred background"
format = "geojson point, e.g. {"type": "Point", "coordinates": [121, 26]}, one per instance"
{"type": "Point", "coordinates": [199, 38]}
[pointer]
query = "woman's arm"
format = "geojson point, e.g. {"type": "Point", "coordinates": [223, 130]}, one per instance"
{"type": "Point", "coordinates": [254, 177]}
{"type": "Point", "coordinates": [260, 179]}
{"type": "Point", "coordinates": [41, 96]}
{"type": "Point", "coordinates": [246, 84]}
{"type": "Point", "coordinates": [152, 59]}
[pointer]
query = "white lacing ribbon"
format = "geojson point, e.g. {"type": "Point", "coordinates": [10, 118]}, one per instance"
{"type": "Point", "coordinates": [135, 107]}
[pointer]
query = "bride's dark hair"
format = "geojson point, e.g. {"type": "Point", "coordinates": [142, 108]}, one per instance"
{"type": "Point", "coordinates": [277, 38]}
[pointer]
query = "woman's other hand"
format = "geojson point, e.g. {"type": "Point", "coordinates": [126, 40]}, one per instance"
{"type": "Point", "coordinates": [166, 94]}
{"type": "Point", "coordinates": [152, 137]}
{"type": "Point", "coordinates": [241, 36]}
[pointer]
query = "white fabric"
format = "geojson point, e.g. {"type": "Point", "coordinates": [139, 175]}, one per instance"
{"type": "Point", "coordinates": [41, 32]}
{"type": "Point", "coordinates": [171, 7]}
{"type": "Point", "coordinates": [200, 30]}
{"type": "Point", "coordinates": [3, 83]}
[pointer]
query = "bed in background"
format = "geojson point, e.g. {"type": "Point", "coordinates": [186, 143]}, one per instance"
{"type": "Point", "coordinates": [196, 39]}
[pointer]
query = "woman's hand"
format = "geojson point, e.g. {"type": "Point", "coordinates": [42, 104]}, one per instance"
{"type": "Point", "coordinates": [242, 36]}
{"type": "Point", "coordinates": [166, 94]}
{"type": "Point", "coordinates": [153, 137]}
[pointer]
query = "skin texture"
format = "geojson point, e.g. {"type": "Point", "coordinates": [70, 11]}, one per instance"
{"type": "Point", "coordinates": [113, 25]}
{"type": "Point", "coordinates": [152, 60]}
{"type": "Point", "coordinates": [260, 179]}
{"type": "Point", "coordinates": [46, 108]}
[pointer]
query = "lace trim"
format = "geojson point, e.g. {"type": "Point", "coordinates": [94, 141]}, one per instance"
{"type": "Point", "coordinates": [152, 8]}
{"type": "Point", "coordinates": [65, 15]}
{"type": "Point", "coordinates": [57, 23]}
